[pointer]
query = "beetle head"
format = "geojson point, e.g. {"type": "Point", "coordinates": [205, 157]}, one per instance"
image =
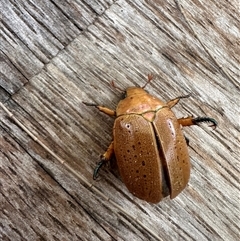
{"type": "Point", "coordinates": [132, 91]}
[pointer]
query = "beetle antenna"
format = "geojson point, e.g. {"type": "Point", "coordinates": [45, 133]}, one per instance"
{"type": "Point", "coordinates": [112, 83]}
{"type": "Point", "coordinates": [150, 77]}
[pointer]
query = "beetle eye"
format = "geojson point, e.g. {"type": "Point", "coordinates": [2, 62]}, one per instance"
{"type": "Point", "coordinates": [124, 95]}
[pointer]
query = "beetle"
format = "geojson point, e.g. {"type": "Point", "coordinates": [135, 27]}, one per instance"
{"type": "Point", "coordinates": [149, 146]}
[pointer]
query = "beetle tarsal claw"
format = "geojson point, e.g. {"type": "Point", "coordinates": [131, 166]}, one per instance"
{"type": "Point", "coordinates": [173, 102]}
{"type": "Point", "coordinates": [184, 96]}
{"type": "Point", "coordinates": [206, 119]}
{"type": "Point", "coordinates": [214, 126]}
{"type": "Point", "coordinates": [89, 104]}
{"type": "Point", "coordinates": [97, 168]}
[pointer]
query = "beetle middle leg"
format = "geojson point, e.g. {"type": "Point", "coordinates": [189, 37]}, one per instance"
{"type": "Point", "coordinates": [102, 109]}
{"type": "Point", "coordinates": [188, 121]}
{"type": "Point", "coordinates": [104, 159]}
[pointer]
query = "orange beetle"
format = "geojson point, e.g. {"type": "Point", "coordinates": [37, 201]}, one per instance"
{"type": "Point", "coordinates": [149, 146]}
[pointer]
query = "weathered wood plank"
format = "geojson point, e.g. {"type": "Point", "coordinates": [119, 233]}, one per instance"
{"type": "Point", "coordinates": [124, 41]}
{"type": "Point", "coordinates": [33, 33]}
{"type": "Point", "coordinates": [23, 217]}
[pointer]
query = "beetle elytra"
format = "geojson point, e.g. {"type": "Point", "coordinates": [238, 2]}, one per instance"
{"type": "Point", "coordinates": [149, 146]}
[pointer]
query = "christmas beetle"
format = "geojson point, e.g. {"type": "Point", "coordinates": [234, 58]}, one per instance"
{"type": "Point", "coordinates": [149, 146]}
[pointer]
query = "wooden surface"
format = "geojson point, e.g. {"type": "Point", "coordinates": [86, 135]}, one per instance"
{"type": "Point", "coordinates": [56, 54]}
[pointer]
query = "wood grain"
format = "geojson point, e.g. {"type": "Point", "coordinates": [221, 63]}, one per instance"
{"type": "Point", "coordinates": [57, 54]}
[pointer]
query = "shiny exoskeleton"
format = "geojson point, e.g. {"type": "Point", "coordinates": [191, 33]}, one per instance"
{"type": "Point", "coordinates": [149, 146]}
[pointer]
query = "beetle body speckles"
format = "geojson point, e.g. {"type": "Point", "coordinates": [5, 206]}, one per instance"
{"type": "Point", "coordinates": [149, 146]}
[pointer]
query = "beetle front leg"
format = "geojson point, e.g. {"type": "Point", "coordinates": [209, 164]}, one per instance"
{"type": "Point", "coordinates": [188, 121]}
{"type": "Point", "coordinates": [104, 158]}
{"type": "Point", "coordinates": [102, 109]}
{"type": "Point", "coordinates": [173, 102]}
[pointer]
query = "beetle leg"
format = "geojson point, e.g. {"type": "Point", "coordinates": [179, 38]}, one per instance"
{"type": "Point", "coordinates": [102, 109]}
{"type": "Point", "coordinates": [173, 102]}
{"type": "Point", "coordinates": [104, 158]}
{"type": "Point", "coordinates": [195, 121]}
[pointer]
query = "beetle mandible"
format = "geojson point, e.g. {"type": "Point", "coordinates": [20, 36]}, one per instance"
{"type": "Point", "coordinates": [149, 146]}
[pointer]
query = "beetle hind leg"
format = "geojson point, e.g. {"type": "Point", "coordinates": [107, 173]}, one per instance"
{"type": "Point", "coordinates": [206, 119]}
{"type": "Point", "coordinates": [104, 159]}
{"type": "Point", "coordinates": [97, 168]}
{"type": "Point", "coordinates": [195, 121]}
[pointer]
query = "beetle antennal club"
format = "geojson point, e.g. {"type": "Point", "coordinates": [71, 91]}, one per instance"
{"type": "Point", "coordinates": [112, 83]}
{"type": "Point", "coordinates": [150, 78]}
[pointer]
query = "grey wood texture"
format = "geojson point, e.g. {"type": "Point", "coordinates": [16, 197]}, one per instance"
{"type": "Point", "coordinates": [56, 54]}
